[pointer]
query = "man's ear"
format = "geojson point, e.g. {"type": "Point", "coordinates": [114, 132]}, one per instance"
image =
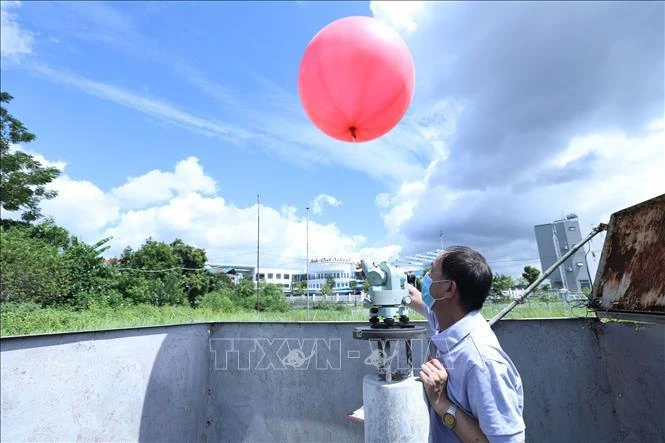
{"type": "Point", "coordinates": [450, 289]}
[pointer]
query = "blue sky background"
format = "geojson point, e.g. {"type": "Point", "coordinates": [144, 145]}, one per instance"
{"type": "Point", "coordinates": [169, 118]}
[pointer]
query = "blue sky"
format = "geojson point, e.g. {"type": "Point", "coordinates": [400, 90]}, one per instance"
{"type": "Point", "coordinates": [169, 118]}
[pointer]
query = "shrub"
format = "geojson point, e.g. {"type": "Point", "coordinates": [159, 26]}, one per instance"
{"type": "Point", "coordinates": [218, 301]}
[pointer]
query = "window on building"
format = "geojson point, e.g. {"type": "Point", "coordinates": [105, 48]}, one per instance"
{"type": "Point", "coordinates": [269, 274]}
{"type": "Point", "coordinates": [286, 276]}
{"type": "Point", "coordinates": [278, 276]}
{"type": "Point", "coordinates": [262, 276]}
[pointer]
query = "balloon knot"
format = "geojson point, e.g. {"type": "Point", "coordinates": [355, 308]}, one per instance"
{"type": "Point", "coordinates": [352, 130]}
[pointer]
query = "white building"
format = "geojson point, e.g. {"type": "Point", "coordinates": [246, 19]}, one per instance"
{"type": "Point", "coordinates": [342, 270]}
{"type": "Point", "coordinates": [278, 276]}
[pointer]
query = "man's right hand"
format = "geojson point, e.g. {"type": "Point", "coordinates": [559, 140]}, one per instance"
{"type": "Point", "coordinates": [416, 300]}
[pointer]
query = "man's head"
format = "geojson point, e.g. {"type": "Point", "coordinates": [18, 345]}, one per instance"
{"type": "Point", "coordinates": [461, 275]}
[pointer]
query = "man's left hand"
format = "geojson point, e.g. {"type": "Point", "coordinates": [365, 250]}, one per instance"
{"type": "Point", "coordinates": [435, 380]}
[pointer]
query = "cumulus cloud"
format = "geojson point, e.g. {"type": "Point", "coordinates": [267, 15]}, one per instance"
{"type": "Point", "coordinates": [16, 42]}
{"type": "Point", "coordinates": [158, 186]}
{"type": "Point", "coordinates": [186, 203]}
{"type": "Point", "coordinates": [322, 200]}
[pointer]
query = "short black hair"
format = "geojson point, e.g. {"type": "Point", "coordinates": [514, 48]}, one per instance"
{"type": "Point", "coordinates": [470, 271]}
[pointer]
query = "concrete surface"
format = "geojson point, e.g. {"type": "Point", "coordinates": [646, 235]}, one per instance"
{"type": "Point", "coordinates": [126, 385]}
{"type": "Point", "coordinates": [292, 382]}
{"type": "Point", "coordinates": [396, 409]}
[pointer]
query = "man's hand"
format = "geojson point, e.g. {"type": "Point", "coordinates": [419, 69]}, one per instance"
{"type": "Point", "coordinates": [416, 300]}
{"type": "Point", "coordinates": [435, 380]}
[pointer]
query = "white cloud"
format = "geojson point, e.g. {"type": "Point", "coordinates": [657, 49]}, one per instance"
{"type": "Point", "coordinates": [401, 15]}
{"type": "Point", "coordinates": [157, 186]}
{"type": "Point", "coordinates": [186, 204]}
{"type": "Point", "coordinates": [324, 199]}
{"type": "Point", "coordinates": [16, 42]}
{"type": "Point", "coordinates": [81, 207]}
{"type": "Point", "coordinates": [155, 108]}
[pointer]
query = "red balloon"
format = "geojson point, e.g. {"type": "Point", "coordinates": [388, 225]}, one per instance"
{"type": "Point", "coordinates": [356, 79]}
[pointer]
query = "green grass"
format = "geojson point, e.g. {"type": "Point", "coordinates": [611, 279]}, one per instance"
{"type": "Point", "coordinates": [30, 319]}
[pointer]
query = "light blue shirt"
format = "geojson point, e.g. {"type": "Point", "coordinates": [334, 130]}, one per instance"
{"type": "Point", "coordinates": [482, 380]}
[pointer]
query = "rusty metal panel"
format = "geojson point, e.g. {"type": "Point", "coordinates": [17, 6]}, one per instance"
{"type": "Point", "coordinates": [631, 272]}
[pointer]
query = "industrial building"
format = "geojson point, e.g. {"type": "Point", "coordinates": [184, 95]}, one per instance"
{"type": "Point", "coordinates": [554, 240]}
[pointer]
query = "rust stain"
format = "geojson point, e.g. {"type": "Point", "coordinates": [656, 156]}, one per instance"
{"type": "Point", "coordinates": [632, 265]}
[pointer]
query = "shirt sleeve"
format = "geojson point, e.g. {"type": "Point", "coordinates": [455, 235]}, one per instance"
{"type": "Point", "coordinates": [431, 319]}
{"type": "Point", "coordinates": [496, 400]}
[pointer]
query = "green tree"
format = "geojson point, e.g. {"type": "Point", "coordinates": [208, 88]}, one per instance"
{"type": "Point", "coordinates": [91, 281]}
{"type": "Point", "coordinates": [502, 282]}
{"type": "Point", "coordinates": [328, 287]}
{"type": "Point", "coordinates": [30, 269]}
{"type": "Point", "coordinates": [299, 287]}
{"type": "Point", "coordinates": [530, 274]}
{"type": "Point", "coordinates": [23, 179]}
{"type": "Point", "coordinates": [365, 286]}
{"type": "Point", "coordinates": [196, 280]}
{"type": "Point", "coordinates": [353, 284]}
{"type": "Point", "coordinates": [49, 232]}
{"type": "Point", "coordinates": [151, 274]}
{"type": "Point", "coordinates": [271, 298]}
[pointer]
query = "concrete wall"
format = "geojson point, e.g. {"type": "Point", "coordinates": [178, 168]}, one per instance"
{"type": "Point", "coordinates": [126, 385]}
{"type": "Point", "coordinates": [584, 381]}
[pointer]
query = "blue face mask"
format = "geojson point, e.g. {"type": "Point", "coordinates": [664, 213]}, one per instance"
{"type": "Point", "coordinates": [426, 284]}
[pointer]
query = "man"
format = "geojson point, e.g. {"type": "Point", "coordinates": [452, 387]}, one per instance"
{"type": "Point", "coordinates": [473, 388]}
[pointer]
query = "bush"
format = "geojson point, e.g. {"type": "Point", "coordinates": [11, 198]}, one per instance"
{"type": "Point", "coordinates": [218, 301]}
{"type": "Point", "coordinates": [30, 269]}
{"type": "Point", "coordinates": [271, 298]}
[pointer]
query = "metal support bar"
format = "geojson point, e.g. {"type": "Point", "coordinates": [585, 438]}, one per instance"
{"type": "Point", "coordinates": [386, 363]}
{"type": "Point", "coordinates": [382, 358]}
{"type": "Point", "coordinates": [409, 358]}
{"type": "Point", "coordinates": [598, 229]}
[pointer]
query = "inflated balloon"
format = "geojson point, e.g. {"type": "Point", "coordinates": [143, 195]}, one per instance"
{"type": "Point", "coordinates": [356, 79]}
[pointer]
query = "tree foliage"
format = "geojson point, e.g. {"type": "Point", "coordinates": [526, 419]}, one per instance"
{"type": "Point", "coordinates": [23, 179]}
{"type": "Point", "coordinates": [328, 287]}
{"type": "Point", "coordinates": [530, 274]}
{"type": "Point", "coordinates": [30, 269]}
{"type": "Point", "coordinates": [502, 282]}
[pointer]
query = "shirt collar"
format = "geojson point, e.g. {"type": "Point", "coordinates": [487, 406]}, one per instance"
{"type": "Point", "coordinates": [447, 339]}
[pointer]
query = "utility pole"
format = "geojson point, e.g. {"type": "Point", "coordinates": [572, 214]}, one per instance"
{"type": "Point", "coordinates": [258, 233]}
{"type": "Point", "coordinates": [441, 238]}
{"type": "Point", "coordinates": [307, 263]}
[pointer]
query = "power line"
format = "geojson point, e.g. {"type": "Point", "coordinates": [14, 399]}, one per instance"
{"type": "Point", "coordinates": [156, 270]}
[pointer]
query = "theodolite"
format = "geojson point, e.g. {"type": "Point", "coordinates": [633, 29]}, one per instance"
{"type": "Point", "coordinates": [388, 295]}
